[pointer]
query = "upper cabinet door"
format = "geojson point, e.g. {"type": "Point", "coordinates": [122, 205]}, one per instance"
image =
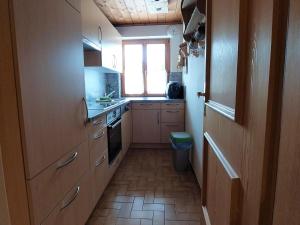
{"type": "Point", "coordinates": [98, 30]}
{"type": "Point", "coordinates": [91, 22]}
{"type": "Point", "coordinates": [51, 80]}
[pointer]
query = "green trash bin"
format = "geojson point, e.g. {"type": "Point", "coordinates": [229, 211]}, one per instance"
{"type": "Point", "coordinates": [182, 143]}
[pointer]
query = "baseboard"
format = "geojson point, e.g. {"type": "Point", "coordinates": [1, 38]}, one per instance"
{"type": "Point", "coordinates": [150, 146]}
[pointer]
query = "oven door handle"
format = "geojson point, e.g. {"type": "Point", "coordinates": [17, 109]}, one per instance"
{"type": "Point", "coordinates": [115, 124]}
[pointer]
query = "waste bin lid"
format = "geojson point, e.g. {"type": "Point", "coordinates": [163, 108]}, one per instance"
{"type": "Point", "coordinates": [181, 137]}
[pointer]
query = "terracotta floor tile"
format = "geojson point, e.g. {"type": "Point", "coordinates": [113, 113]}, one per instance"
{"type": "Point", "coordinates": [146, 190]}
{"type": "Point", "coordinates": [154, 207]}
{"type": "Point", "coordinates": [141, 214]}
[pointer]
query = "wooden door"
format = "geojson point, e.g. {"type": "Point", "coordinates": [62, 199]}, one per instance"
{"type": "Point", "coordinates": [51, 80]}
{"type": "Point", "coordinates": [241, 70]}
{"type": "Point", "coordinates": [146, 126]}
{"type": "Point", "coordinates": [287, 198]}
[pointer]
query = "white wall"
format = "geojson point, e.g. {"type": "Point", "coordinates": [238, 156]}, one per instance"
{"type": "Point", "coordinates": [194, 82]}
{"type": "Point", "coordinates": [157, 31]}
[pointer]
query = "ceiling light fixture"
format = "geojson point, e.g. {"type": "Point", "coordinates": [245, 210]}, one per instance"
{"type": "Point", "coordinates": [157, 6]}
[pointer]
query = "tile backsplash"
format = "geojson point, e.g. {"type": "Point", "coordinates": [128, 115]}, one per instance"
{"type": "Point", "coordinates": [113, 83]}
{"type": "Point", "coordinates": [176, 76]}
{"type": "Point", "coordinates": [97, 83]}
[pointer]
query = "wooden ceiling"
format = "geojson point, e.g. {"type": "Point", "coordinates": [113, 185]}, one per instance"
{"type": "Point", "coordinates": [134, 12]}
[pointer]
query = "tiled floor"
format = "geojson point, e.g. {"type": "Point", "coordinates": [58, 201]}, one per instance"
{"type": "Point", "coordinates": [146, 190]}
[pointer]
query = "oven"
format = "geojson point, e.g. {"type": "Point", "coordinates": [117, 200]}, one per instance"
{"type": "Point", "coordinates": [114, 134]}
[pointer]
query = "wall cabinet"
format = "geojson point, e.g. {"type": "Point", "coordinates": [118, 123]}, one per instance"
{"type": "Point", "coordinates": [97, 29]}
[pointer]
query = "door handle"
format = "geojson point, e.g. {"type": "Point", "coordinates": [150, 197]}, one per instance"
{"type": "Point", "coordinates": [201, 94]}
{"type": "Point", "coordinates": [158, 118]}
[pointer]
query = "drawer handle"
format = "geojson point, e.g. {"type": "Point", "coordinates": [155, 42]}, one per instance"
{"type": "Point", "coordinates": [172, 104]}
{"type": "Point", "coordinates": [145, 104]}
{"type": "Point", "coordinates": [67, 203]}
{"type": "Point", "coordinates": [172, 111]}
{"type": "Point", "coordinates": [99, 135]}
{"type": "Point", "coordinates": [100, 161]}
{"type": "Point", "coordinates": [68, 161]}
{"type": "Point", "coordinates": [172, 125]}
{"type": "Point", "coordinates": [95, 123]}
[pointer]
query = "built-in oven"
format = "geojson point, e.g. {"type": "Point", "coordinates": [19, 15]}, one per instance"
{"type": "Point", "coordinates": [114, 134]}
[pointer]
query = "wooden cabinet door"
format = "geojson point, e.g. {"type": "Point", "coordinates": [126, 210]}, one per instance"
{"type": "Point", "coordinates": [287, 198]}
{"type": "Point", "coordinates": [51, 80]}
{"type": "Point", "coordinates": [91, 18]}
{"type": "Point", "coordinates": [111, 45]}
{"type": "Point", "coordinates": [126, 131]}
{"type": "Point", "coordinates": [146, 126]}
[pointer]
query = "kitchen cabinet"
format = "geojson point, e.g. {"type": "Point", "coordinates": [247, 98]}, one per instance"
{"type": "Point", "coordinates": [146, 125]}
{"type": "Point", "coordinates": [75, 207]}
{"type": "Point", "coordinates": [48, 188]}
{"type": "Point", "coordinates": [49, 66]}
{"type": "Point", "coordinates": [98, 30]}
{"type": "Point", "coordinates": [91, 22]}
{"type": "Point", "coordinates": [51, 80]}
{"type": "Point", "coordinates": [153, 122]}
{"type": "Point", "coordinates": [126, 131]}
{"type": "Point", "coordinates": [98, 149]}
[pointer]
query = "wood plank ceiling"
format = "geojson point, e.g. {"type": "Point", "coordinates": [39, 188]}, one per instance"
{"type": "Point", "coordinates": [134, 12]}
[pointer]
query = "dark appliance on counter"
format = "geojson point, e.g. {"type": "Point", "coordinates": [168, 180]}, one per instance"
{"type": "Point", "coordinates": [174, 90]}
{"type": "Point", "coordinates": [114, 133]}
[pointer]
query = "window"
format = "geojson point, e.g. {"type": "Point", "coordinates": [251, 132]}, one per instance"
{"type": "Point", "coordinates": [146, 67]}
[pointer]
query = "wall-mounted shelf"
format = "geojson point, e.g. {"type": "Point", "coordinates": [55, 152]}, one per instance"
{"type": "Point", "coordinates": [193, 13]}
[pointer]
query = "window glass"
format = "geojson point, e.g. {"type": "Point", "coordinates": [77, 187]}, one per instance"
{"type": "Point", "coordinates": [134, 78]}
{"type": "Point", "coordinates": [156, 69]}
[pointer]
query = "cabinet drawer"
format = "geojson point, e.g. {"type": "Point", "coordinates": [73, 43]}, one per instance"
{"type": "Point", "coordinates": [49, 187]}
{"type": "Point", "coordinates": [75, 207]}
{"type": "Point", "coordinates": [178, 105]}
{"type": "Point", "coordinates": [98, 140]}
{"type": "Point", "coordinates": [172, 116]}
{"type": "Point", "coordinates": [96, 124]}
{"type": "Point", "coordinates": [167, 128]}
{"type": "Point", "coordinates": [144, 105]}
{"type": "Point", "coordinates": [100, 178]}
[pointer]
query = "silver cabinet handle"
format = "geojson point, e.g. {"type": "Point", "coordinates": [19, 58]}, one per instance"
{"type": "Point", "coordinates": [172, 104]}
{"type": "Point", "coordinates": [100, 161]}
{"type": "Point", "coordinates": [99, 135]}
{"type": "Point", "coordinates": [86, 112]}
{"type": "Point", "coordinates": [157, 117]}
{"type": "Point", "coordinates": [169, 111]}
{"type": "Point", "coordinates": [67, 203]}
{"type": "Point", "coordinates": [68, 161]}
{"type": "Point", "coordinates": [145, 104]}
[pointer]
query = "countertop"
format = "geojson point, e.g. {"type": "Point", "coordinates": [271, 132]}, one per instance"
{"type": "Point", "coordinates": [94, 110]}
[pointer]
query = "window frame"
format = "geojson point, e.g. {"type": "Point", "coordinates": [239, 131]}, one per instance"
{"type": "Point", "coordinates": [144, 43]}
